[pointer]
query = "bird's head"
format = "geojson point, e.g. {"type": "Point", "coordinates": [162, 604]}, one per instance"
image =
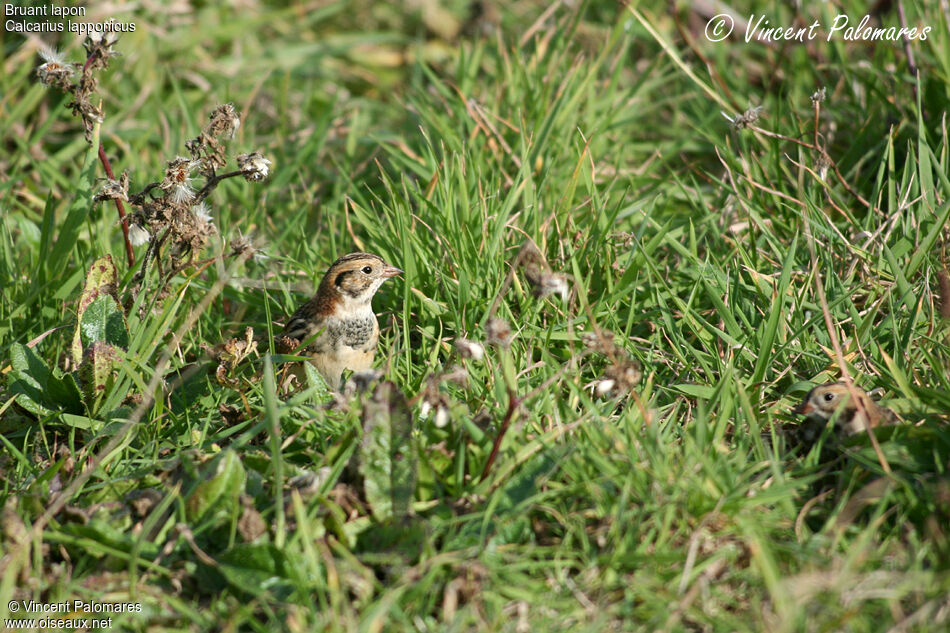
{"type": "Point", "coordinates": [353, 279]}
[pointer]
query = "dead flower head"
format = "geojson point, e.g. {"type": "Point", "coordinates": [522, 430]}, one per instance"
{"type": "Point", "coordinates": [224, 121]}
{"type": "Point", "coordinates": [98, 45]}
{"type": "Point", "coordinates": [620, 377]}
{"type": "Point", "coordinates": [544, 282]}
{"type": "Point", "coordinates": [202, 212]}
{"type": "Point", "coordinates": [822, 164]}
{"type": "Point", "coordinates": [469, 349]}
{"type": "Point", "coordinates": [55, 72]}
{"type": "Point", "coordinates": [254, 166]}
{"type": "Point", "coordinates": [433, 400]}
{"type": "Point", "coordinates": [206, 147]}
{"type": "Point", "coordinates": [361, 382]}
{"type": "Point", "coordinates": [746, 119]}
{"type": "Point", "coordinates": [498, 332]}
{"type": "Point", "coordinates": [622, 374]}
{"type": "Point", "coordinates": [553, 284]}
{"type": "Point", "coordinates": [177, 182]}
{"type": "Point", "coordinates": [231, 354]}
{"type": "Point", "coordinates": [138, 235]}
{"type": "Point", "coordinates": [601, 341]}
{"type": "Point", "coordinates": [243, 246]}
{"type": "Point", "coordinates": [114, 189]}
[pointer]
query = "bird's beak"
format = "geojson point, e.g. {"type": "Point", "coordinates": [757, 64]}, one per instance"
{"type": "Point", "coordinates": [804, 408]}
{"type": "Point", "coordinates": [391, 271]}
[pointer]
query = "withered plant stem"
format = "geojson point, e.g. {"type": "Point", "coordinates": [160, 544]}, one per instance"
{"type": "Point", "coordinates": [822, 152]}
{"type": "Point", "coordinates": [104, 159]}
{"type": "Point", "coordinates": [119, 207]}
{"type": "Point", "coordinates": [513, 402]}
{"type": "Point", "coordinates": [209, 186]}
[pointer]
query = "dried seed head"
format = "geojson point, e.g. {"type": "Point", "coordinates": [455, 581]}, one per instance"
{"type": "Point", "coordinates": [55, 72]}
{"type": "Point", "coordinates": [469, 349]}
{"type": "Point", "coordinates": [441, 417]}
{"type": "Point", "coordinates": [818, 96]}
{"type": "Point", "coordinates": [98, 45]}
{"type": "Point", "coordinates": [309, 482]}
{"type": "Point", "coordinates": [178, 173]}
{"type": "Point", "coordinates": [605, 386]}
{"type": "Point", "coordinates": [601, 341]}
{"type": "Point", "coordinates": [202, 212]}
{"type": "Point", "coordinates": [532, 263]}
{"type": "Point", "coordinates": [138, 235]}
{"type": "Point", "coordinates": [455, 374]}
{"type": "Point", "coordinates": [822, 164]}
{"type": "Point", "coordinates": [254, 166]}
{"type": "Point", "coordinates": [434, 400]}
{"type": "Point", "coordinates": [224, 121]}
{"type": "Point", "coordinates": [114, 189]}
{"type": "Point", "coordinates": [181, 194]}
{"type": "Point", "coordinates": [620, 378]}
{"type": "Point", "coordinates": [102, 38]}
{"type": "Point", "coordinates": [177, 182]}
{"type": "Point", "coordinates": [52, 56]}
{"type": "Point", "coordinates": [538, 273]}
{"type": "Point", "coordinates": [243, 245]}
{"type": "Point", "coordinates": [745, 119]}
{"type": "Point", "coordinates": [553, 284]}
{"type": "Point", "coordinates": [498, 332]}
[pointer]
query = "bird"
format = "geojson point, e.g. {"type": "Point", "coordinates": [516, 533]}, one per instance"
{"type": "Point", "coordinates": [337, 325]}
{"type": "Point", "coordinates": [823, 401]}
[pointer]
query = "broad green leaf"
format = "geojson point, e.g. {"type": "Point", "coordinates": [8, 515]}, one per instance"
{"type": "Point", "coordinates": [220, 490]}
{"type": "Point", "coordinates": [97, 370]}
{"type": "Point", "coordinates": [387, 459]}
{"type": "Point", "coordinates": [103, 322]}
{"type": "Point", "coordinates": [101, 281]}
{"type": "Point", "coordinates": [40, 391]}
{"type": "Point", "coordinates": [255, 568]}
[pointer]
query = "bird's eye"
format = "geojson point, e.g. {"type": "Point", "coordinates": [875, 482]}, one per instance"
{"type": "Point", "coordinates": [367, 270]}
{"type": "Point", "coordinates": [829, 397]}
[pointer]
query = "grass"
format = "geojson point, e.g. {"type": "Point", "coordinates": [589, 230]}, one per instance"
{"type": "Point", "coordinates": [713, 259]}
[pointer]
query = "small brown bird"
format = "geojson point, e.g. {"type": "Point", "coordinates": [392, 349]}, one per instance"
{"type": "Point", "coordinates": [824, 400]}
{"type": "Point", "coordinates": [341, 317]}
